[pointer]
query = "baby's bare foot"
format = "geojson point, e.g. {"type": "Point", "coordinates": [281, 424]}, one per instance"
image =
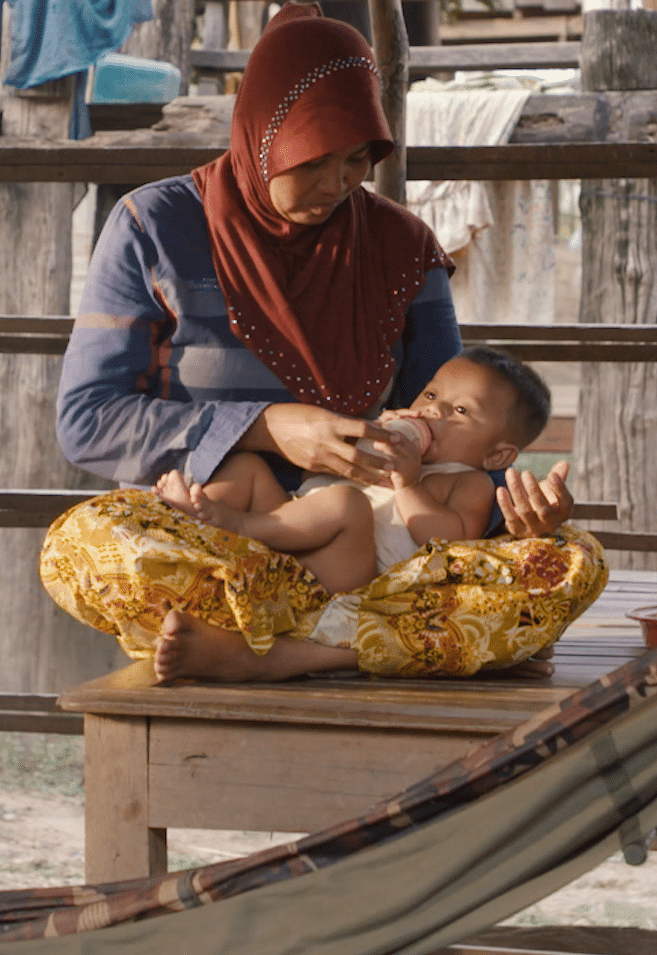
{"type": "Point", "coordinates": [215, 513]}
{"type": "Point", "coordinates": [188, 647]}
{"type": "Point", "coordinates": [172, 488]}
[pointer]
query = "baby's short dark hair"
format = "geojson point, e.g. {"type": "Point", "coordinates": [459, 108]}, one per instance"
{"type": "Point", "coordinates": [533, 404]}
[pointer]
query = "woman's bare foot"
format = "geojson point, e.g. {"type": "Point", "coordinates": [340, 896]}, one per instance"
{"type": "Point", "coordinates": [188, 647]}
{"type": "Point", "coordinates": [173, 490]}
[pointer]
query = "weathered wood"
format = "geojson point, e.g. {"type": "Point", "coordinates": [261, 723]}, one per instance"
{"type": "Point", "coordinates": [113, 159]}
{"type": "Point", "coordinates": [423, 59]}
{"type": "Point", "coordinates": [553, 161]}
{"type": "Point", "coordinates": [618, 50]}
{"type": "Point", "coordinates": [391, 54]}
{"type": "Point", "coordinates": [588, 117]}
{"type": "Point", "coordinates": [295, 791]}
{"type": "Point", "coordinates": [257, 756]}
{"type": "Point", "coordinates": [33, 508]}
{"type": "Point", "coordinates": [213, 40]}
{"type": "Point", "coordinates": [36, 713]}
{"type": "Point", "coordinates": [615, 445]}
{"type": "Point", "coordinates": [245, 21]}
{"type": "Point", "coordinates": [167, 36]}
{"type": "Point", "coordinates": [490, 29]}
{"type": "Point", "coordinates": [556, 940]}
{"type": "Point", "coordinates": [430, 706]}
{"type": "Point", "coordinates": [106, 116]}
{"type": "Point", "coordinates": [118, 842]}
{"type": "Point", "coordinates": [41, 647]}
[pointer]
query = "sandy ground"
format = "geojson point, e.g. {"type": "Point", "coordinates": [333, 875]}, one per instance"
{"type": "Point", "coordinates": [42, 844]}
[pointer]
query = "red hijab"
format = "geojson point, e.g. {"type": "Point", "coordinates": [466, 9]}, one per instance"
{"type": "Point", "coordinates": [321, 306]}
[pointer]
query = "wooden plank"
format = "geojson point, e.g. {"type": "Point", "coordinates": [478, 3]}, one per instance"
{"type": "Point", "coordinates": [572, 351]}
{"type": "Point", "coordinates": [36, 713]}
{"type": "Point", "coordinates": [556, 437]}
{"type": "Point", "coordinates": [105, 116]}
{"type": "Point", "coordinates": [472, 706]}
{"type": "Point", "coordinates": [60, 325]}
{"type": "Point", "coordinates": [38, 508]}
{"type": "Point", "coordinates": [626, 540]}
{"type": "Point", "coordinates": [121, 163]}
{"type": "Point", "coordinates": [558, 332]}
{"type": "Point", "coordinates": [64, 725]}
{"type": "Point", "coordinates": [599, 160]}
{"type": "Point", "coordinates": [490, 29]}
{"type": "Point", "coordinates": [489, 56]}
{"type": "Point", "coordinates": [592, 510]}
{"type": "Point", "coordinates": [560, 939]}
{"type": "Point", "coordinates": [254, 776]}
{"type": "Point", "coordinates": [118, 842]}
{"type": "Point", "coordinates": [30, 499]}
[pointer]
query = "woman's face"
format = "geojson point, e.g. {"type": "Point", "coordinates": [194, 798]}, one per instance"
{"type": "Point", "coordinates": [308, 194]}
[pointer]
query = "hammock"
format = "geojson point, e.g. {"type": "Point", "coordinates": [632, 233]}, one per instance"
{"type": "Point", "coordinates": [489, 834]}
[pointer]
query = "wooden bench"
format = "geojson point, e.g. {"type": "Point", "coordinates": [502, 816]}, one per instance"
{"type": "Point", "coordinates": [306, 754]}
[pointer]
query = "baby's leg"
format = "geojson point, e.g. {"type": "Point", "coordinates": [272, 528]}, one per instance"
{"type": "Point", "coordinates": [188, 647]}
{"type": "Point", "coordinates": [330, 531]}
{"type": "Point", "coordinates": [245, 481]}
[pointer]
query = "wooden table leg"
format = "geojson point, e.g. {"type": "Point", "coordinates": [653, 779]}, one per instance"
{"type": "Point", "coordinates": [118, 842]}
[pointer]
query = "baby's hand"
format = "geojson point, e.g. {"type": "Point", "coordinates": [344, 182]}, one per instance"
{"type": "Point", "coordinates": [406, 463]}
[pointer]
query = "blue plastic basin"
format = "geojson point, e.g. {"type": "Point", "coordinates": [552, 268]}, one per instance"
{"type": "Point", "coordinates": [129, 79]}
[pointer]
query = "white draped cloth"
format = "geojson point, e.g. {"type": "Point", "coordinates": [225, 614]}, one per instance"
{"type": "Point", "coordinates": [499, 233]}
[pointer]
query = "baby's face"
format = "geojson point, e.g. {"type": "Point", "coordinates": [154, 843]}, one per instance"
{"type": "Point", "coordinates": [467, 408]}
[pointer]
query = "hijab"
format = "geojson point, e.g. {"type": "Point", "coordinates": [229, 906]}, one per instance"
{"type": "Point", "coordinates": [321, 306]}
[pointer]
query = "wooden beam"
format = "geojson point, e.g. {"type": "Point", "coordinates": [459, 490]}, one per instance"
{"type": "Point", "coordinates": [534, 161]}
{"type": "Point", "coordinates": [36, 713]}
{"type": "Point", "coordinates": [491, 29]}
{"type": "Point", "coordinates": [478, 56]}
{"type": "Point", "coordinates": [82, 162]}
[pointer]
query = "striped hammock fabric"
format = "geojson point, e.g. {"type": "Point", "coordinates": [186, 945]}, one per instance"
{"type": "Point", "coordinates": [468, 846]}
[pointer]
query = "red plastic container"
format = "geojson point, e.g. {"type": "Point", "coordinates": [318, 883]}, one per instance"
{"type": "Point", "coordinates": [647, 617]}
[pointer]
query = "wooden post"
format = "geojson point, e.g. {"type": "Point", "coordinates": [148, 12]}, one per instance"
{"type": "Point", "coordinates": [615, 447]}
{"type": "Point", "coordinates": [214, 38]}
{"type": "Point", "coordinates": [167, 37]}
{"type": "Point", "coordinates": [392, 55]}
{"type": "Point", "coordinates": [245, 19]}
{"type": "Point", "coordinates": [42, 649]}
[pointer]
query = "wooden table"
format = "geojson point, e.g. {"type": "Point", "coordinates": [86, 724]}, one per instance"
{"type": "Point", "coordinates": [302, 755]}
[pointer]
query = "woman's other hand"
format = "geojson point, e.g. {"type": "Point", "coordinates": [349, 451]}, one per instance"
{"type": "Point", "coordinates": [320, 441]}
{"type": "Point", "coordinates": [530, 507]}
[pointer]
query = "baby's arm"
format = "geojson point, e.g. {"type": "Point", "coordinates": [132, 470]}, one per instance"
{"type": "Point", "coordinates": [463, 515]}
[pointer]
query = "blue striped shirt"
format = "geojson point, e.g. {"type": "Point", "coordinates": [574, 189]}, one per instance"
{"type": "Point", "coordinates": [154, 379]}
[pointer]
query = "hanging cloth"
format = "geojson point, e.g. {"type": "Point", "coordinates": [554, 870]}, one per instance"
{"type": "Point", "coordinates": [54, 39]}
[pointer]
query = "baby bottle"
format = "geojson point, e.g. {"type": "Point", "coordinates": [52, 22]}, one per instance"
{"type": "Point", "coordinates": [416, 429]}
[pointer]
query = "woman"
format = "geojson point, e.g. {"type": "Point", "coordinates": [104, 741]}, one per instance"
{"type": "Point", "coordinates": [267, 303]}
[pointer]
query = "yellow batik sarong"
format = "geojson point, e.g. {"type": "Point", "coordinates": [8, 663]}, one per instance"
{"type": "Point", "coordinates": [120, 561]}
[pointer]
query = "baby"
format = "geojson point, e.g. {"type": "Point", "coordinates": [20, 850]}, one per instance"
{"type": "Point", "coordinates": [481, 409]}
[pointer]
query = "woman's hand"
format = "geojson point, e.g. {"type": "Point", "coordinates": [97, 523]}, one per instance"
{"type": "Point", "coordinates": [319, 440]}
{"type": "Point", "coordinates": [531, 508]}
